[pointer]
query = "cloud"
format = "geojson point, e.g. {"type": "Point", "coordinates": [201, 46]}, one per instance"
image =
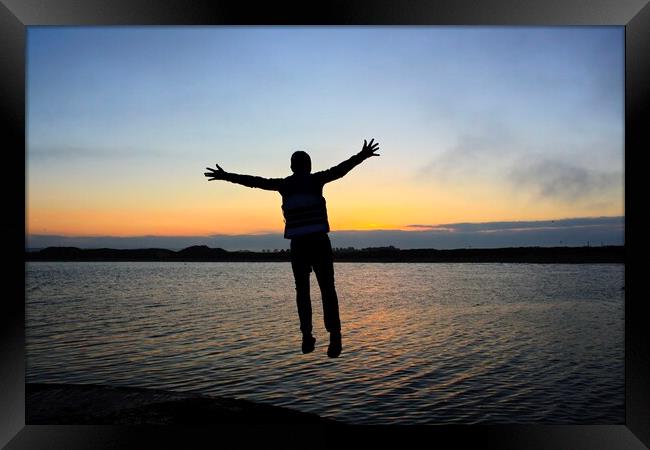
{"type": "Point", "coordinates": [487, 227]}
{"type": "Point", "coordinates": [568, 232]}
{"type": "Point", "coordinates": [485, 148]}
{"type": "Point", "coordinates": [559, 180]}
{"type": "Point", "coordinates": [546, 157]}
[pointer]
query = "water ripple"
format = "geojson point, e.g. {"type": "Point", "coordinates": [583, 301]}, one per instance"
{"type": "Point", "coordinates": [423, 343]}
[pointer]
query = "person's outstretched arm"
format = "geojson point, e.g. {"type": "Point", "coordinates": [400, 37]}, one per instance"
{"type": "Point", "coordinates": [269, 184]}
{"type": "Point", "coordinates": [343, 168]}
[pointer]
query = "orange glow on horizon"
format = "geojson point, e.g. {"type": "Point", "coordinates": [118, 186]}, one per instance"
{"type": "Point", "coordinates": [233, 210]}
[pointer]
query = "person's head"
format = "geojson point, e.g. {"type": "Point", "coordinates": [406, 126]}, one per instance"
{"type": "Point", "coordinates": [300, 162]}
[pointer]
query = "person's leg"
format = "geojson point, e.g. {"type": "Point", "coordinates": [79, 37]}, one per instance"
{"type": "Point", "coordinates": [301, 270]}
{"type": "Point", "coordinates": [324, 270]}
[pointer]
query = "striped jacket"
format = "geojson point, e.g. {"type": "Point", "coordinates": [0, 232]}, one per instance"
{"type": "Point", "coordinates": [303, 205]}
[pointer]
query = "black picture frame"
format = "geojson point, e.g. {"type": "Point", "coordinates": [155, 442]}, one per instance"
{"type": "Point", "coordinates": [634, 15]}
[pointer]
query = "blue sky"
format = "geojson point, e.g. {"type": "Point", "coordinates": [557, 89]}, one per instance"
{"type": "Point", "coordinates": [476, 124]}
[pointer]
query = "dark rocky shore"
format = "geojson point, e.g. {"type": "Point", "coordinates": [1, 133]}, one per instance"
{"type": "Point", "coordinates": [86, 404]}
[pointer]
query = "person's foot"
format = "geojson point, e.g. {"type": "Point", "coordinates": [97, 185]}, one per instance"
{"type": "Point", "coordinates": [308, 342]}
{"type": "Point", "coordinates": [334, 349]}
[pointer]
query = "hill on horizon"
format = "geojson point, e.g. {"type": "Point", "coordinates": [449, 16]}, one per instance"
{"type": "Point", "coordinates": [585, 254]}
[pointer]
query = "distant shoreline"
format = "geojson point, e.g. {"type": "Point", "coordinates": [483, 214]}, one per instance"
{"type": "Point", "coordinates": [541, 255]}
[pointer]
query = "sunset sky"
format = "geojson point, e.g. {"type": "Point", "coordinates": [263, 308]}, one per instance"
{"type": "Point", "coordinates": [475, 125]}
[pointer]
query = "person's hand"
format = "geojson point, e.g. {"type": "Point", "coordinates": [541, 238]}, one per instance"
{"type": "Point", "coordinates": [215, 174]}
{"type": "Point", "coordinates": [369, 148]}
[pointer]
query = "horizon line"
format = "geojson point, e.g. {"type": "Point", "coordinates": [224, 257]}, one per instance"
{"type": "Point", "coordinates": [410, 228]}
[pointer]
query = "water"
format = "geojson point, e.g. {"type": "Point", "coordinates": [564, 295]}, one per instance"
{"type": "Point", "coordinates": [422, 343]}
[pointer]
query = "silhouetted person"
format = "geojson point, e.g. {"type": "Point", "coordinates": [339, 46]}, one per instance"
{"type": "Point", "coordinates": [306, 224]}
